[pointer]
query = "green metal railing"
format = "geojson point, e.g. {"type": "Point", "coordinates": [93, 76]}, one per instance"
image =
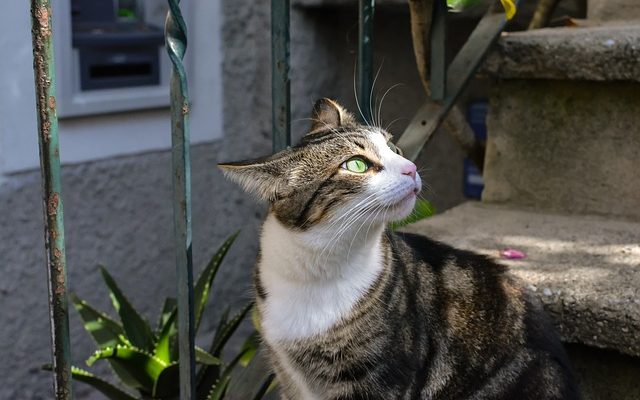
{"type": "Point", "coordinates": [176, 43]}
{"type": "Point", "coordinates": [45, 82]}
{"type": "Point", "coordinates": [446, 85]}
{"type": "Point", "coordinates": [364, 70]}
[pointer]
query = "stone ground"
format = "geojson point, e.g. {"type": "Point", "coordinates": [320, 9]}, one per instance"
{"type": "Point", "coordinates": [585, 269]}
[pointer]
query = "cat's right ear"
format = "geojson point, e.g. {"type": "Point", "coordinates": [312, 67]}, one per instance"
{"type": "Point", "coordinates": [265, 178]}
{"type": "Point", "coordinates": [328, 114]}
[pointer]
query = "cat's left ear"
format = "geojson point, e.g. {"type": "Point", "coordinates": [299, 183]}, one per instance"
{"type": "Point", "coordinates": [266, 177]}
{"type": "Point", "coordinates": [328, 114]}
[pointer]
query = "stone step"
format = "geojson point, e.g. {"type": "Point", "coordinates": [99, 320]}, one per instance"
{"type": "Point", "coordinates": [597, 53]}
{"type": "Point", "coordinates": [563, 121]}
{"type": "Point", "coordinates": [584, 269]}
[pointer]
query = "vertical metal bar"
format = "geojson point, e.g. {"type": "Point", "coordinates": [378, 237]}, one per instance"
{"type": "Point", "coordinates": [45, 82]}
{"type": "Point", "coordinates": [280, 82]}
{"type": "Point", "coordinates": [176, 42]}
{"type": "Point", "coordinates": [438, 50]}
{"type": "Point", "coordinates": [366, 10]}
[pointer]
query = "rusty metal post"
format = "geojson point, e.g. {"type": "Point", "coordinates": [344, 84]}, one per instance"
{"type": "Point", "coordinates": [176, 42]}
{"type": "Point", "coordinates": [45, 82]}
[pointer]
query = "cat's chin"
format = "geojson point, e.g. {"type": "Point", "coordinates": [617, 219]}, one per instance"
{"type": "Point", "coordinates": [402, 208]}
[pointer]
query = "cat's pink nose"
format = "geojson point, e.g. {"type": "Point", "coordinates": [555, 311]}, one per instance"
{"type": "Point", "coordinates": [409, 169]}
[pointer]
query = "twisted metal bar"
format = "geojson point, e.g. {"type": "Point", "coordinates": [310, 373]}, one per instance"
{"type": "Point", "coordinates": [366, 9]}
{"type": "Point", "coordinates": [176, 42]}
{"type": "Point", "coordinates": [280, 82]}
{"type": "Point", "coordinates": [45, 82]}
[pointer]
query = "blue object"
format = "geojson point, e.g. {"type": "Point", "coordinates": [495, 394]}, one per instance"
{"type": "Point", "coordinates": [477, 117]}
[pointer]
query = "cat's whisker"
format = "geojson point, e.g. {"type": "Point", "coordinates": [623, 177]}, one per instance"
{"type": "Point", "coordinates": [373, 85]}
{"type": "Point", "coordinates": [383, 97]}
{"type": "Point", "coordinates": [355, 93]}
{"type": "Point", "coordinates": [355, 235]}
{"type": "Point", "coordinates": [349, 222]}
{"type": "Point", "coordinates": [392, 122]}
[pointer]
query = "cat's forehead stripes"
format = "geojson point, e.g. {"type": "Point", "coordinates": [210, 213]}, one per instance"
{"type": "Point", "coordinates": [347, 138]}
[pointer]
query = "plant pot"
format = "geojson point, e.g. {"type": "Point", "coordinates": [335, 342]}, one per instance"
{"type": "Point", "coordinates": [613, 10]}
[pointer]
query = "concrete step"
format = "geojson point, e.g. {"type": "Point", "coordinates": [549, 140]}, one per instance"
{"type": "Point", "coordinates": [584, 269]}
{"type": "Point", "coordinates": [597, 53]}
{"type": "Point", "coordinates": [563, 121]}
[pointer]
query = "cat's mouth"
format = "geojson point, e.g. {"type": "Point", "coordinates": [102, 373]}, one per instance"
{"type": "Point", "coordinates": [406, 200]}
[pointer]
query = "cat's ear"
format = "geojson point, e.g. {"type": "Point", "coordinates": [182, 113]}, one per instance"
{"type": "Point", "coordinates": [328, 114]}
{"type": "Point", "coordinates": [264, 177]}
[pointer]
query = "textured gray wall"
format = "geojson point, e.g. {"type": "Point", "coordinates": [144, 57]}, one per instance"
{"type": "Point", "coordinates": [549, 150]}
{"type": "Point", "coordinates": [118, 212]}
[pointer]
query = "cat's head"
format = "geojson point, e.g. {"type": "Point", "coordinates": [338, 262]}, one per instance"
{"type": "Point", "coordinates": [341, 172]}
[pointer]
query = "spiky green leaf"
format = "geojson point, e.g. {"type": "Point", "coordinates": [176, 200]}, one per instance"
{"type": "Point", "coordinates": [136, 328]}
{"type": "Point", "coordinates": [203, 357]}
{"type": "Point", "coordinates": [227, 329]}
{"type": "Point", "coordinates": [167, 384]}
{"type": "Point", "coordinates": [208, 375]}
{"type": "Point", "coordinates": [104, 330]}
{"type": "Point", "coordinates": [109, 390]}
{"type": "Point", "coordinates": [141, 365]}
{"type": "Point", "coordinates": [253, 381]}
{"type": "Point", "coordinates": [219, 389]}
{"type": "Point", "coordinates": [170, 304]}
{"type": "Point", "coordinates": [163, 345]}
{"type": "Point", "coordinates": [205, 280]}
{"type": "Point", "coordinates": [423, 209]}
{"type": "Point", "coordinates": [249, 348]}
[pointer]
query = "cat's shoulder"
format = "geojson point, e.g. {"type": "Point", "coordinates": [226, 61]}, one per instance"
{"type": "Point", "coordinates": [415, 247]}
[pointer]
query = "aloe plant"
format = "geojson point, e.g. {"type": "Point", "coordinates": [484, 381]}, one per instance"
{"type": "Point", "coordinates": [146, 360]}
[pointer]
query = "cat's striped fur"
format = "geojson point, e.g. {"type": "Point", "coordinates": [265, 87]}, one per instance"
{"type": "Point", "coordinates": [350, 310]}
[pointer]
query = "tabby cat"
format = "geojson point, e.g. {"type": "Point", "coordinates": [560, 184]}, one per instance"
{"type": "Point", "coordinates": [351, 310]}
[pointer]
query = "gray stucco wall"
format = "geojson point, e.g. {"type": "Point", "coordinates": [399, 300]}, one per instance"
{"type": "Point", "coordinates": [118, 212]}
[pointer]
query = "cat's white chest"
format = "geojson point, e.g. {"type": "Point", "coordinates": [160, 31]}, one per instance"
{"type": "Point", "coordinates": [309, 292]}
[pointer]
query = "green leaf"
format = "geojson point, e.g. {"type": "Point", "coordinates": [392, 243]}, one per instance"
{"type": "Point", "coordinates": [210, 374]}
{"type": "Point", "coordinates": [163, 345]}
{"type": "Point", "coordinates": [203, 357]}
{"type": "Point", "coordinates": [459, 5]}
{"type": "Point", "coordinates": [110, 391]}
{"type": "Point", "coordinates": [226, 329]}
{"type": "Point", "coordinates": [144, 367]}
{"type": "Point", "coordinates": [136, 328]}
{"type": "Point", "coordinates": [100, 326]}
{"type": "Point", "coordinates": [253, 381]}
{"type": "Point", "coordinates": [203, 285]}
{"type": "Point", "coordinates": [423, 209]}
{"type": "Point", "coordinates": [219, 389]}
{"type": "Point", "coordinates": [170, 304]}
{"type": "Point", "coordinates": [168, 383]}
{"type": "Point", "coordinates": [267, 385]}
{"type": "Point", "coordinates": [105, 332]}
{"type": "Point", "coordinates": [249, 348]}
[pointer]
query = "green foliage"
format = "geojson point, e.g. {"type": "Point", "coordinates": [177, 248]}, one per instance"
{"type": "Point", "coordinates": [461, 4]}
{"type": "Point", "coordinates": [146, 360]}
{"type": "Point", "coordinates": [423, 209]}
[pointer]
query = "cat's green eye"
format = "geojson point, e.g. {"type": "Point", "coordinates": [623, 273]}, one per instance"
{"type": "Point", "coordinates": [356, 164]}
